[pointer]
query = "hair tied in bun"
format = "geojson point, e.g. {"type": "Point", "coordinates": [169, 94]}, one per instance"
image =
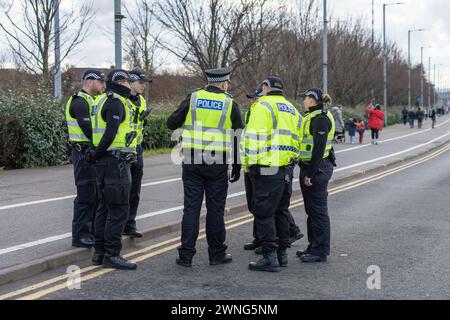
{"type": "Point", "coordinates": [326, 98]}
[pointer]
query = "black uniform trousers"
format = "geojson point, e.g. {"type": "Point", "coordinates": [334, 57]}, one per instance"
{"type": "Point", "coordinates": [293, 228]}
{"type": "Point", "coordinates": [211, 181]}
{"type": "Point", "coordinates": [113, 187]}
{"type": "Point", "coordinates": [270, 201]}
{"type": "Point", "coordinates": [85, 204]}
{"type": "Point", "coordinates": [316, 207]}
{"type": "Point", "coordinates": [137, 172]}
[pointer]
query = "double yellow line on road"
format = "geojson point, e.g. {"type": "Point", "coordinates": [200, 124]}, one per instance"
{"type": "Point", "coordinates": [53, 285]}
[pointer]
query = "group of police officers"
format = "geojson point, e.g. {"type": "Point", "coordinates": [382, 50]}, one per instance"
{"type": "Point", "coordinates": [105, 131]}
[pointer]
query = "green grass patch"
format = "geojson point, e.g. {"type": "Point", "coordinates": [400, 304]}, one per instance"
{"type": "Point", "coordinates": [154, 152]}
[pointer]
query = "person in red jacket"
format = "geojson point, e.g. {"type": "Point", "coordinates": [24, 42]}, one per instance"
{"type": "Point", "coordinates": [376, 118]}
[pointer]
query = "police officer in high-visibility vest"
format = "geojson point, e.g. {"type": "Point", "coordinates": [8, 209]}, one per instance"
{"type": "Point", "coordinates": [294, 231]}
{"type": "Point", "coordinates": [115, 150]}
{"type": "Point", "coordinates": [141, 112]}
{"type": "Point", "coordinates": [208, 118]}
{"type": "Point", "coordinates": [317, 161]}
{"type": "Point", "coordinates": [78, 110]}
{"type": "Point", "coordinates": [270, 149]}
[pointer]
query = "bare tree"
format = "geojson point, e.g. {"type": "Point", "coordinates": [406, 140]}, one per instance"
{"type": "Point", "coordinates": [206, 30]}
{"type": "Point", "coordinates": [142, 36]}
{"type": "Point", "coordinates": [32, 40]}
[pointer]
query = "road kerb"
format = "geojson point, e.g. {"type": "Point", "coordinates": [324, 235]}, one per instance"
{"type": "Point", "coordinates": [73, 256]}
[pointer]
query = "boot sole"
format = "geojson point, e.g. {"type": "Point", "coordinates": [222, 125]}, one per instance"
{"type": "Point", "coordinates": [106, 266]}
{"type": "Point", "coordinates": [266, 269]}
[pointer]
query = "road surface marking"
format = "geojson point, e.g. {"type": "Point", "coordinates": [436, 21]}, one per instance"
{"type": "Point", "coordinates": [169, 210]}
{"type": "Point", "coordinates": [244, 220]}
{"type": "Point", "coordinates": [18, 205]}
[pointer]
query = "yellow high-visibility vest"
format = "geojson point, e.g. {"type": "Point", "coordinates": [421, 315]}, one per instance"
{"type": "Point", "coordinates": [75, 132]}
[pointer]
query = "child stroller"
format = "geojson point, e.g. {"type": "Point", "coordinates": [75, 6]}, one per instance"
{"type": "Point", "coordinates": [339, 137]}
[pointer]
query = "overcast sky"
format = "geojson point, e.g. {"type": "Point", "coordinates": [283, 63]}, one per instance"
{"type": "Point", "coordinates": [433, 15]}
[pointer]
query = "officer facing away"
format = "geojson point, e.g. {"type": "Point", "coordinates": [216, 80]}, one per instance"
{"type": "Point", "coordinates": [208, 117]}
{"type": "Point", "coordinates": [78, 111]}
{"type": "Point", "coordinates": [294, 231]}
{"type": "Point", "coordinates": [270, 149]}
{"type": "Point", "coordinates": [316, 163]}
{"type": "Point", "coordinates": [115, 150]}
{"type": "Point", "coordinates": [141, 112]}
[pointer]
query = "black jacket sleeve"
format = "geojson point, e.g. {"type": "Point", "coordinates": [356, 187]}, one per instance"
{"type": "Point", "coordinates": [79, 109]}
{"type": "Point", "coordinates": [177, 119]}
{"type": "Point", "coordinates": [320, 127]}
{"type": "Point", "coordinates": [114, 114]}
{"type": "Point", "coordinates": [237, 124]}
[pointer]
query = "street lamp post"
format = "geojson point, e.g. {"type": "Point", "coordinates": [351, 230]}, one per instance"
{"type": "Point", "coordinates": [421, 76]}
{"type": "Point", "coordinates": [429, 82]}
{"type": "Point", "coordinates": [409, 64]}
{"type": "Point", "coordinates": [385, 61]}
{"type": "Point", "coordinates": [325, 47]}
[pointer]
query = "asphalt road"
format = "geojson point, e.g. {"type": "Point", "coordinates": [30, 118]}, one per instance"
{"type": "Point", "coordinates": [398, 223]}
{"type": "Point", "coordinates": [32, 230]}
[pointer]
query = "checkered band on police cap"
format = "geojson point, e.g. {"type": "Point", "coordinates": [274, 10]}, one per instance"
{"type": "Point", "coordinates": [218, 75]}
{"type": "Point", "coordinates": [117, 75]}
{"type": "Point", "coordinates": [93, 75]}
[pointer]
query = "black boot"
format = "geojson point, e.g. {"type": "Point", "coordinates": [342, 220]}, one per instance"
{"type": "Point", "coordinates": [83, 243]}
{"type": "Point", "coordinates": [282, 257]}
{"type": "Point", "coordinates": [97, 259]}
{"type": "Point", "coordinates": [251, 246]}
{"type": "Point", "coordinates": [133, 233]}
{"type": "Point", "coordinates": [259, 251]}
{"type": "Point", "coordinates": [268, 263]}
{"type": "Point", "coordinates": [117, 262]}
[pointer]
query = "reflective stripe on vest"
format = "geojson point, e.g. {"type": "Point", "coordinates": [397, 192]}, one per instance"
{"type": "Point", "coordinates": [126, 127]}
{"type": "Point", "coordinates": [279, 146]}
{"type": "Point", "coordinates": [307, 140]}
{"type": "Point", "coordinates": [208, 122]}
{"type": "Point", "coordinates": [138, 125]}
{"type": "Point", "coordinates": [74, 129]}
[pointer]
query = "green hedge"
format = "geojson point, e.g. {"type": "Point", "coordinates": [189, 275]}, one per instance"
{"type": "Point", "coordinates": [32, 130]}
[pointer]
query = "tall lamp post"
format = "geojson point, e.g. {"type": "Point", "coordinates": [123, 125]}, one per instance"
{"type": "Point", "coordinates": [409, 64]}
{"type": "Point", "coordinates": [325, 47]}
{"type": "Point", "coordinates": [421, 76]}
{"type": "Point", "coordinates": [385, 60]}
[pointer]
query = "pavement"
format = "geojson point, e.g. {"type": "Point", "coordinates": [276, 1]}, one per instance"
{"type": "Point", "coordinates": [395, 222]}
{"type": "Point", "coordinates": [36, 204]}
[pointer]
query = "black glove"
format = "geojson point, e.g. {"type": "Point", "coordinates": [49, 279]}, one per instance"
{"type": "Point", "coordinates": [90, 156]}
{"type": "Point", "coordinates": [235, 173]}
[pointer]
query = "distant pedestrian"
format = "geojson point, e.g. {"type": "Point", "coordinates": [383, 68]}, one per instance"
{"type": "Point", "coordinates": [339, 122]}
{"type": "Point", "coordinates": [405, 115]}
{"type": "Point", "coordinates": [420, 116]}
{"type": "Point", "coordinates": [351, 124]}
{"type": "Point", "coordinates": [376, 117]}
{"type": "Point", "coordinates": [411, 118]}
{"type": "Point", "coordinates": [361, 129]}
{"type": "Point", "coordinates": [433, 118]}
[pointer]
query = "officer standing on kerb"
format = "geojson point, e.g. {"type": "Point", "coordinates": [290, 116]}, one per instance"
{"type": "Point", "coordinates": [115, 150]}
{"type": "Point", "coordinates": [317, 161]}
{"type": "Point", "coordinates": [78, 111]}
{"type": "Point", "coordinates": [208, 117]}
{"type": "Point", "coordinates": [270, 150]}
{"type": "Point", "coordinates": [141, 112]}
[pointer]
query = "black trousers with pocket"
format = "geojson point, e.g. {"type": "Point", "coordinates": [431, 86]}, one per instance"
{"type": "Point", "coordinates": [85, 204]}
{"type": "Point", "coordinates": [137, 172]}
{"type": "Point", "coordinates": [113, 187]}
{"type": "Point", "coordinates": [211, 182]}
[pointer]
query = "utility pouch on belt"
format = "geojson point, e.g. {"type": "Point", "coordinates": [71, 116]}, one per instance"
{"type": "Point", "coordinates": [333, 157]}
{"type": "Point", "coordinates": [145, 114]}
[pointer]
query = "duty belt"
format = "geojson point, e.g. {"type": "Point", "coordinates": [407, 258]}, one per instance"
{"type": "Point", "coordinates": [125, 158]}
{"type": "Point", "coordinates": [80, 146]}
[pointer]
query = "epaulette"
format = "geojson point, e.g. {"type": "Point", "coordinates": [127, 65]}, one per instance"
{"type": "Point", "coordinates": [229, 95]}
{"type": "Point", "coordinates": [74, 94]}
{"type": "Point", "coordinates": [110, 94]}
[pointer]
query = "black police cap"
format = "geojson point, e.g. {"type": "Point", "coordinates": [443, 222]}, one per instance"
{"type": "Point", "coordinates": [275, 83]}
{"type": "Point", "coordinates": [136, 75]}
{"type": "Point", "coordinates": [314, 93]}
{"type": "Point", "coordinates": [117, 75]}
{"type": "Point", "coordinates": [92, 74]}
{"type": "Point", "coordinates": [218, 75]}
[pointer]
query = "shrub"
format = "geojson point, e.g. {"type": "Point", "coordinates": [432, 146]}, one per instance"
{"type": "Point", "coordinates": [32, 129]}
